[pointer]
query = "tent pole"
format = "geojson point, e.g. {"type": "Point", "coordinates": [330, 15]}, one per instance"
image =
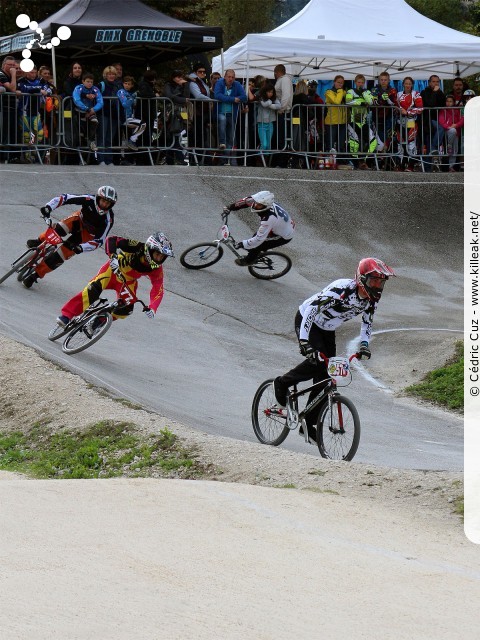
{"type": "Point", "coordinates": [54, 68]}
{"type": "Point", "coordinates": [223, 64]}
{"type": "Point", "coordinates": [251, 106]}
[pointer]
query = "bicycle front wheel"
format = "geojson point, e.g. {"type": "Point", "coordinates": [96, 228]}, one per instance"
{"type": "Point", "coordinates": [338, 429]}
{"type": "Point", "coordinates": [269, 427]}
{"type": "Point", "coordinates": [201, 255]}
{"type": "Point", "coordinates": [87, 333]}
{"type": "Point", "coordinates": [58, 331]}
{"type": "Point", "coordinates": [270, 266]}
{"type": "Point", "coordinates": [19, 265]}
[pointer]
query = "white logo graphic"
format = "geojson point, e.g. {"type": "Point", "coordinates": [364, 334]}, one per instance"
{"type": "Point", "coordinates": [24, 22]}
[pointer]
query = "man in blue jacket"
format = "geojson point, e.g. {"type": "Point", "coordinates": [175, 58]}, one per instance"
{"type": "Point", "coordinates": [230, 93]}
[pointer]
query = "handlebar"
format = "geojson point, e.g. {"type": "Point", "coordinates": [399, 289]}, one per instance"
{"type": "Point", "coordinates": [122, 278]}
{"type": "Point", "coordinates": [326, 359]}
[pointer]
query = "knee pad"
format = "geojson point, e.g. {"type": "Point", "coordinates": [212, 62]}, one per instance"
{"type": "Point", "coordinates": [54, 260]}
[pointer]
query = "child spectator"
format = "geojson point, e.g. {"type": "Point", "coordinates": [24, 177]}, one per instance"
{"type": "Point", "coordinates": [267, 107]}
{"type": "Point", "coordinates": [88, 101]}
{"type": "Point", "coordinates": [451, 121]}
{"type": "Point", "coordinates": [133, 125]}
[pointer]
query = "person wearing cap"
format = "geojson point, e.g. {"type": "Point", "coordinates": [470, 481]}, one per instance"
{"type": "Point", "coordinates": [199, 133]}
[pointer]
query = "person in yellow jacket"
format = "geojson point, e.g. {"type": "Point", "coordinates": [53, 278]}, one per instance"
{"type": "Point", "coordinates": [336, 118]}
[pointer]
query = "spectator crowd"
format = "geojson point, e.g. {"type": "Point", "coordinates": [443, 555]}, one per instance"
{"type": "Point", "coordinates": [189, 119]}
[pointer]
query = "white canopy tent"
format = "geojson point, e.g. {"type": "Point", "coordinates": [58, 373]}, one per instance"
{"type": "Point", "coordinates": [355, 36]}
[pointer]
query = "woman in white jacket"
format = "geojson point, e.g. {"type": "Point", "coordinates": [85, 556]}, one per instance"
{"type": "Point", "coordinates": [267, 107]}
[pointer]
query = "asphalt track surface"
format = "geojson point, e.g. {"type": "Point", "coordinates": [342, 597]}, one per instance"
{"type": "Point", "coordinates": [220, 332]}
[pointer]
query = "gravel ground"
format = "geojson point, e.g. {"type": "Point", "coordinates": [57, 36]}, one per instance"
{"type": "Point", "coordinates": [34, 389]}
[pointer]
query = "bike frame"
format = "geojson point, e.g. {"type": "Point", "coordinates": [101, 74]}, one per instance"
{"type": "Point", "coordinates": [127, 296]}
{"type": "Point", "coordinates": [226, 237]}
{"type": "Point", "coordinates": [294, 418]}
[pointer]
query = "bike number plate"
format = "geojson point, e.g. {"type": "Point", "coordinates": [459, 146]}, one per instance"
{"type": "Point", "coordinates": [52, 236]}
{"type": "Point", "coordinates": [338, 367]}
{"type": "Point", "coordinates": [126, 295]}
{"type": "Point", "coordinates": [225, 232]}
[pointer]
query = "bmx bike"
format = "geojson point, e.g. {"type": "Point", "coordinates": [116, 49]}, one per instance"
{"type": "Point", "coordinates": [87, 328]}
{"type": "Point", "coordinates": [25, 264]}
{"type": "Point", "coordinates": [269, 265]}
{"type": "Point", "coordinates": [338, 423]}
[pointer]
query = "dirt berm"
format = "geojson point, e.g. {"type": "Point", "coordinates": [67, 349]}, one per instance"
{"type": "Point", "coordinates": [348, 551]}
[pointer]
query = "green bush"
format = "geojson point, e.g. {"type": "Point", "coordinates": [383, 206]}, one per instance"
{"type": "Point", "coordinates": [443, 386]}
{"type": "Point", "coordinates": [103, 450]}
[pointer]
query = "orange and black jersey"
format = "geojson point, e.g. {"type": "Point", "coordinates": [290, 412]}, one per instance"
{"type": "Point", "coordinates": [97, 224]}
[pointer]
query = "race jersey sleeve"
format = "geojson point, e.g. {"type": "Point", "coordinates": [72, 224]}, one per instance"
{"type": "Point", "coordinates": [156, 292]}
{"type": "Point", "coordinates": [67, 198]}
{"type": "Point", "coordinates": [367, 320]}
{"type": "Point", "coordinates": [241, 204]}
{"type": "Point", "coordinates": [262, 234]}
{"type": "Point", "coordinates": [126, 245]}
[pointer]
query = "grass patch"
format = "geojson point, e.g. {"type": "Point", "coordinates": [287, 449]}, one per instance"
{"type": "Point", "coordinates": [128, 403]}
{"type": "Point", "coordinates": [289, 485]}
{"type": "Point", "coordinates": [319, 490]}
{"type": "Point", "coordinates": [459, 506]}
{"type": "Point", "coordinates": [106, 449]}
{"type": "Point", "coordinates": [443, 386]}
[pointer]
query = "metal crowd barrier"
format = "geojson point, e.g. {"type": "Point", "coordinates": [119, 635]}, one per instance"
{"type": "Point", "coordinates": [311, 136]}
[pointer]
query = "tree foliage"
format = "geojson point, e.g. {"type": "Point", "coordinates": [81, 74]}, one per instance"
{"type": "Point", "coordinates": [455, 14]}
{"type": "Point", "coordinates": [239, 18]}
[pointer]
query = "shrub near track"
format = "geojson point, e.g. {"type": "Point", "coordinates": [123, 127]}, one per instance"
{"type": "Point", "coordinates": [443, 386]}
{"type": "Point", "coordinates": [103, 450]}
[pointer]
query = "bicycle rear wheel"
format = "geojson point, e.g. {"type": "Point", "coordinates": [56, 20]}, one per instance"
{"type": "Point", "coordinates": [270, 428]}
{"type": "Point", "coordinates": [338, 429]}
{"type": "Point", "coordinates": [19, 264]}
{"type": "Point", "coordinates": [270, 266]}
{"type": "Point", "coordinates": [201, 255]}
{"type": "Point", "coordinates": [87, 333]}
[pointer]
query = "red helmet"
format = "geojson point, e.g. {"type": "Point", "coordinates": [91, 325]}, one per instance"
{"type": "Point", "coordinates": [371, 276]}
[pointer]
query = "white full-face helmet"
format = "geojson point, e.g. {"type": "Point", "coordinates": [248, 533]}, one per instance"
{"type": "Point", "coordinates": [264, 198]}
{"type": "Point", "coordinates": [159, 243]}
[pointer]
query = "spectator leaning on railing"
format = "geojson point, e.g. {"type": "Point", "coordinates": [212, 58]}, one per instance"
{"type": "Point", "coordinates": [360, 136]}
{"type": "Point", "coordinates": [199, 133]}
{"type": "Point", "coordinates": [88, 101]}
{"type": "Point", "coordinates": [230, 93]}
{"type": "Point", "coordinates": [284, 89]}
{"type": "Point", "coordinates": [336, 118]}
{"type": "Point", "coordinates": [433, 99]}
{"type": "Point", "coordinates": [451, 122]}
{"type": "Point", "coordinates": [29, 105]}
{"type": "Point", "coordinates": [385, 100]}
{"type": "Point", "coordinates": [8, 111]}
